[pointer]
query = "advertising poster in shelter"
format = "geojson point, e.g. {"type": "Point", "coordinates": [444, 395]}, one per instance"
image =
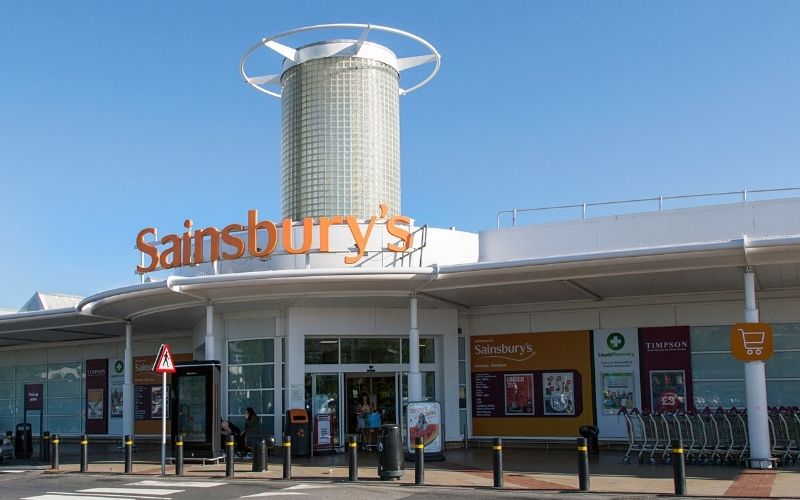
{"type": "Point", "coordinates": [616, 365]}
{"type": "Point", "coordinates": [666, 366]}
{"type": "Point", "coordinates": [96, 396]}
{"type": "Point", "coordinates": [531, 384]}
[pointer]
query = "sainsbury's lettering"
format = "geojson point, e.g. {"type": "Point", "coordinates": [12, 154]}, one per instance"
{"type": "Point", "coordinates": [178, 252]}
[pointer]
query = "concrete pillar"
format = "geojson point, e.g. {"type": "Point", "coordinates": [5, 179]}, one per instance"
{"type": "Point", "coordinates": [127, 387]}
{"type": "Point", "coordinates": [414, 376]}
{"type": "Point", "coordinates": [755, 381]}
{"type": "Point", "coordinates": [209, 354]}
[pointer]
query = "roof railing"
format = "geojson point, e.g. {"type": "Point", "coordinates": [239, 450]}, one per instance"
{"type": "Point", "coordinates": [660, 199]}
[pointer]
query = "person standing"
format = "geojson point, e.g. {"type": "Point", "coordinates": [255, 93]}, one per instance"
{"type": "Point", "coordinates": [252, 428]}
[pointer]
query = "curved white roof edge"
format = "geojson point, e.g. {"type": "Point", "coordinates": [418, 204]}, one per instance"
{"type": "Point", "coordinates": [174, 284]}
{"type": "Point", "coordinates": [742, 243]}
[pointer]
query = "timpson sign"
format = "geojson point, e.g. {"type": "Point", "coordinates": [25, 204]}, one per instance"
{"type": "Point", "coordinates": [178, 249]}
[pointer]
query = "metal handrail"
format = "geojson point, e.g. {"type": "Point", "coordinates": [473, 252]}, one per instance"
{"type": "Point", "coordinates": [660, 199]}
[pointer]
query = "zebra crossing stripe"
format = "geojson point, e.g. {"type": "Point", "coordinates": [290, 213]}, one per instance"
{"type": "Point", "coordinates": [177, 484]}
{"type": "Point", "coordinates": [131, 491]}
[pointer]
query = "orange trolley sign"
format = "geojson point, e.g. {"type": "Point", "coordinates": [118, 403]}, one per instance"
{"type": "Point", "coordinates": [751, 341]}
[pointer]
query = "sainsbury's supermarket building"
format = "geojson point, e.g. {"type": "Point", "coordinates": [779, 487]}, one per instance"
{"type": "Point", "coordinates": [522, 332]}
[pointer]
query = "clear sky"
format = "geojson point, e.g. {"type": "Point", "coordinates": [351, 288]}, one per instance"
{"type": "Point", "coordinates": [116, 116]}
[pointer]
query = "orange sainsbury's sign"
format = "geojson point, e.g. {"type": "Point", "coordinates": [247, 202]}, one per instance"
{"type": "Point", "coordinates": [189, 247]}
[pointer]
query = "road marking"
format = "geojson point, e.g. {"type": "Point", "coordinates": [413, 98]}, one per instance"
{"type": "Point", "coordinates": [274, 494]}
{"type": "Point", "coordinates": [132, 491]}
{"type": "Point", "coordinates": [55, 495]}
{"type": "Point", "coordinates": [177, 484]}
{"type": "Point", "coordinates": [307, 486]}
{"type": "Point", "coordinates": [13, 471]}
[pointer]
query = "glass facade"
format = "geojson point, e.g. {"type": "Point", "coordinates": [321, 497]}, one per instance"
{"type": "Point", "coordinates": [365, 350]}
{"type": "Point", "coordinates": [251, 381]}
{"type": "Point", "coordinates": [718, 378]}
{"type": "Point", "coordinates": [340, 150]}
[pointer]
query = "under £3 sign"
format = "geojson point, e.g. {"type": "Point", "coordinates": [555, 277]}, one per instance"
{"type": "Point", "coordinates": [751, 341]}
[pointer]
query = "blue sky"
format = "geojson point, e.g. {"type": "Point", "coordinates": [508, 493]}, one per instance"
{"type": "Point", "coordinates": [118, 116]}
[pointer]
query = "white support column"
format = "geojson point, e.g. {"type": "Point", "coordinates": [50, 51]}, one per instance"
{"type": "Point", "coordinates": [414, 377]}
{"type": "Point", "coordinates": [756, 386]}
{"type": "Point", "coordinates": [127, 387]}
{"type": "Point", "coordinates": [209, 332]}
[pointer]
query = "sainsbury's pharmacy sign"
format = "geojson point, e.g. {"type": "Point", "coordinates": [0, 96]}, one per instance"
{"type": "Point", "coordinates": [236, 240]}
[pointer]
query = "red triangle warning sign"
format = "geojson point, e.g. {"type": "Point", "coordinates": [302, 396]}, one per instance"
{"type": "Point", "coordinates": [164, 362]}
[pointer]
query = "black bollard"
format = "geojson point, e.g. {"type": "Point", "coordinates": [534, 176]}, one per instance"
{"type": "Point", "coordinates": [128, 454]}
{"type": "Point", "coordinates": [45, 446]}
{"type": "Point", "coordinates": [287, 456]}
{"type": "Point", "coordinates": [269, 444]}
{"type": "Point", "coordinates": [352, 455]}
{"type": "Point", "coordinates": [230, 442]}
{"type": "Point", "coordinates": [497, 446]}
{"type": "Point", "coordinates": [419, 461]}
{"type": "Point", "coordinates": [259, 455]}
{"type": "Point", "coordinates": [54, 453]}
{"type": "Point", "coordinates": [583, 464]}
{"type": "Point", "coordinates": [678, 468]}
{"type": "Point", "coordinates": [179, 455]}
{"type": "Point", "coordinates": [84, 453]}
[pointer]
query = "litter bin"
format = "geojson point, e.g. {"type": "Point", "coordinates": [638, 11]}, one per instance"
{"type": "Point", "coordinates": [299, 427]}
{"type": "Point", "coordinates": [590, 432]}
{"type": "Point", "coordinates": [23, 441]}
{"type": "Point", "coordinates": [390, 452]}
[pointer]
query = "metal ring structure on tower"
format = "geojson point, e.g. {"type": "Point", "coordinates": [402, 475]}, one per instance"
{"type": "Point", "coordinates": [291, 54]}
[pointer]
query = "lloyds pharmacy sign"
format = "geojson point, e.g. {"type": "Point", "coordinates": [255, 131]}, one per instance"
{"type": "Point", "coordinates": [229, 244]}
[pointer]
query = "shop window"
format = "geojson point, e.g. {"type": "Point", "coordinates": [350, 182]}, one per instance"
{"type": "Point", "coordinates": [251, 351]}
{"type": "Point", "coordinates": [251, 381]}
{"type": "Point", "coordinates": [426, 350]}
{"type": "Point", "coordinates": [370, 350]}
{"type": "Point", "coordinates": [462, 384]}
{"type": "Point", "coordinates": [323, 351]}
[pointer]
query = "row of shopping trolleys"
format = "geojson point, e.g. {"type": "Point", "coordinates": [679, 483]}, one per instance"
{"type": "Point", "coordinates": [708, 437]}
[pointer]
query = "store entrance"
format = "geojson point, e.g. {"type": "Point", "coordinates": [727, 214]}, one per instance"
{"type": "Point", "coordinates": [382, 391]}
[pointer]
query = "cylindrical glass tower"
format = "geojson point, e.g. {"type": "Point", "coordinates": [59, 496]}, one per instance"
{"type": "Point", "coordinates": [340, 144]}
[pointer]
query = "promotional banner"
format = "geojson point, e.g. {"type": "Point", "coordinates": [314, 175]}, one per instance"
{"type": "Point", "coordinates": [96, 396]}
{"type": "Point", "coordinates": [531, 384]}
{"type": "Point", "coordinates": [666, 367]}
{"type": "Point", "coordinates": [148, 402]}
{"type": "Point", "coordinates": [424, 419]}
{"type": "Point", "coordinates": [616, 368]}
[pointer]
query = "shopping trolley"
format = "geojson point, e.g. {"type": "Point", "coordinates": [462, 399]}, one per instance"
{"type": "Point", "coordinates": [753, 341]}
{"type": "Point", "coordinates": [740, 443]}
{"type": "Point", "coordinates": [780, 440]}
{"type": "Point", "coordinates": [724, 446]}
{"type": "Point", "coordinates": [637, 434]}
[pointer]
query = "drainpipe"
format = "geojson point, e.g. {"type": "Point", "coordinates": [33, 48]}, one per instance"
{"type": "Point", "coordinates": [127, 387]}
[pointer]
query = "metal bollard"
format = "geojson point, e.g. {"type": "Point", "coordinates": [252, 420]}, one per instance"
{"type": "Point", "coordinates": [583, 464]}
{"type": "Point", "coordinates": [419, 461]}
{"type": "Point", "coordinates": [497, 446]}
{"type": "Point", "coordinates": [128, 454]}
{"type": "Point", "coordinates": [230, 442]}
{"type": "Point", "coordinates": [259, 455]}
{"type": "Point", "coordinates": [45, 446]}
{"type": "Point", "coordinates": [352, 455]}
{"type": "Point", "coordinates": [84, 453]}
{"type": "Point", "coordinates": [179, 455]}
{"type": "Point", "coordinates": [287, 456]}
{"type": "Point", "coordinates": [270, 443]}
{"type": "Point", "coordinates": [678, 468]}
{"type": "Point", "coordinates": [54, 454]}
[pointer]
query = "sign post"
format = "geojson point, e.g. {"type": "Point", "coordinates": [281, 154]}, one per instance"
{"type": "Point", "coordinates": [33, 401]}
{"type": "Point", "coordinates": [164, 365]}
